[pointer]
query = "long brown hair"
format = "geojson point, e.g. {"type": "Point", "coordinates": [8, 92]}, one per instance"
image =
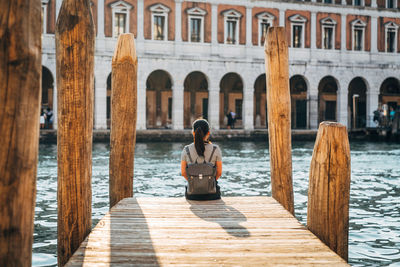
{"type": "Point", "coordinates": [200, 128]}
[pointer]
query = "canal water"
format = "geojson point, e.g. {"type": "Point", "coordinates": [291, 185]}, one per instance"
{"type": "Point", "coordinates": [374, 238]}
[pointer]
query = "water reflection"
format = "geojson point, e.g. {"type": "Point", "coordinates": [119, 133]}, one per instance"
{"type": "Point", "coordinates": [374, 202]}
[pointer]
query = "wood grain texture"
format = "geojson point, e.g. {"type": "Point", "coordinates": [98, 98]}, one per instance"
{"type": "Point", "coordinates": [329, 187]}
{"type": "Point", "coordinates": [123, 118]}
{"type": "Point", "coordinates": [20, 90]}
{"type": "Point", "coordinates": [234, 231]}
{"type": "Point", "coordinates": [75, 87]}
{"type": "Point", "coordinates": [278, 99]}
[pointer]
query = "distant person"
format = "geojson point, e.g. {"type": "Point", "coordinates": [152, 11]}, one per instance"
{"type": "Point", "coordinates": [49, 118]}
{"type": "Point", "coordinates": [42, 119]}
{"type": "Point", "coordinates": [233, 114]}
{"type": "Point", "coordinates": [230, 119]}
{"type": "Point", "coordinates": [377, 117]}
{"type": "Point", "coordinates": [201, 161]}
{"type": "Point", "coordinates": [392, 113]}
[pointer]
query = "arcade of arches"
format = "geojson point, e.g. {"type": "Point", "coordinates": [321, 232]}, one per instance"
{"type": "Point", "coordinates": [159, 100]}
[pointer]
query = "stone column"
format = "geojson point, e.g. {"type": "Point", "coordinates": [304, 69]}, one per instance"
{"type": "Point", "coordinates": [313, 30]}
{"type": "Point", "coordinates": [344, 2]}
{"type": "Point", "coordinates": [248, 106]}
{"type": "Point", "coordinates": [141, 98]}
{"type": "Point", "coordinates": [178, 21]}
{"type": "Point", "coordinates": [314, 1]}
{"type": "Point", "coordinates": [58, 7]}
{"type": "Point", "coordinates": [313, 105]}
{"type": "Point", "coordinates": [372, 103]}
{"type": "Point", "coordinates": [373, 3]}
{"type": "Point", "coordinates": [100, 19]}
{"type": "Point", "coordinates": [343, 35]}
{"type": "Point", "coordinates": [214, 29]}
{"type": "Point", "coordinates": [374, 34]}
{"type": "Point", "coordinates": [177, 105]}
{"type": "Point", "coordinates": [282, 18]}
{"type": "Point", "coordinates": [213, 103]}
{"type": "Point", "coordinates": [342, 103]}
{"type": "Point", "coordinates": [140, 20]}
{"type": "Point", "coordinates": [249, 31]}
{"type": "Point", "coordinates": [55, 106]}
{"type": "Point", "coordinates": [100, 94]}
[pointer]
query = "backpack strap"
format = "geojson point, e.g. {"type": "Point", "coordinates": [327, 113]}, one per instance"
{"type": "Point", "coordinates": [212, 153]}
{"type": "Point", "coordinates": [188, 153]}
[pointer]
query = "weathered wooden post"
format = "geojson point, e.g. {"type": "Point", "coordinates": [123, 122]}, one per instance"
{"type": "Point", "coordinates": [20, 89]}
{"type": "Point", "coordinates": [123, 118]}
{"type": "Point", "coordinates": [329, 187]}
{"type": "Point", "coordinates": [75, 80]}
{"type": "Point", "coordinates": [279, 132]}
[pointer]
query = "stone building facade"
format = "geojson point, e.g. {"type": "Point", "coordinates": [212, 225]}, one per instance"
{"type": "Point", "coordinates": [206, 57]}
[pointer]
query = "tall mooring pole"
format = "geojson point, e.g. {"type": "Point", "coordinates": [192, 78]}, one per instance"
{"type": "Point", "coordinates": [75, 38]}
{"type": "Point", "coordinates": [20, 90]}
{"type": "Point", "coordinates": [123, 118]}
{"type": "Point", "coordinates": [279, 128]}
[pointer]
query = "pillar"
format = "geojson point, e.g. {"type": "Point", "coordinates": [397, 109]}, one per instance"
{"type": "Point", "coordinates": [58, 7]}
{"type": "Point", "coordinates": [214, 28]}
{"type": "Point", "coordinates": [100, 19]}
{"type": "Point", "coordinates": [372, 103]}
{"type": "Point", "coordinates": [342, 103]}
{"type": "Point", "coordinates": [140, 23]}
{"type": "Point", "coordinates": [178, 21]}
{"type": "Point", "coordinates": [248, 26]}
{"type": "Point", "coordinates": [55, 113]}
{"type": "Point", "coordinates": [177, 105]}
{"type": "Point", "coordinates": [282, 18]}
{"type": "Point", "coordinates": [343, 33]}
{"type": "Point", "coordinates": [100, 95]}
{"type": "Point", "coordinates": [313, 30]}
{"type": "Point", "coordinates": [374, 4]}
{"type": "Point", "coordinates": [213, 104]}
{"type": "Point", "coordinates": [141, 99]}
{"type": "Point", "coordinates": [344, 2]}
{"type": "Point", "coordinates": [374, 34]}
{"type": "Point", "coordinates": [248, 106]}
{"type": "Point", "coordinates": [313, 105]}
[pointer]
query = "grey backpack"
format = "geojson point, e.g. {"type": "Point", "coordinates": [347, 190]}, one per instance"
{"type": "Point", "coordinates": [201, 176]}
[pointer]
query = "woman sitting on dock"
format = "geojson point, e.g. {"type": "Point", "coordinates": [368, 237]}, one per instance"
{"type": "Point", "coordinates": [201, 164]}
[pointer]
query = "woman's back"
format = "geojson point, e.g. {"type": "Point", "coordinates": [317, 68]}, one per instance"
{"type": "Point", "coordinates": [216, 156]}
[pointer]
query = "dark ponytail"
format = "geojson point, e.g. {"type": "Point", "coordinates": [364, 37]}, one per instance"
{"type": "Point", "coordinates": [200, 128]}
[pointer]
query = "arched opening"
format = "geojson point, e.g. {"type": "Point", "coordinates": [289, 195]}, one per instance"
{"type": "Point", "coordinates": [47, 97]}
{"type": "Point", "coordinates": [159, 100]}
{"type": "Point", "coordinates": [231, 99]}
{"type": "Point", "coordinates": [390, 93]}
{"type": "Point", "coordinates": [327, 97]}
{"type": "Point", "coordinates": [357, 103]}
{"type": "Point", "coordinates": [298, 99]}
{"type": "Point", "coordinates": [260, 102]}
{"type": "Point", "coordinates": [109, 101]}
{"type": "Point", "coordinates": [195, 98]}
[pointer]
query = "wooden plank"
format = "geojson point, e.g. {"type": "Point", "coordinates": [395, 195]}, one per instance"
{"type": "Point", "coordinates": [134, 233]}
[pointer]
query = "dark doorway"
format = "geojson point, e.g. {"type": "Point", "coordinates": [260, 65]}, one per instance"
{"type": "Point", "coordinates": [301, 114]}
{"type": "Point", "coordinates": [231, 90]}
{"type": "Point", "coordinates": [357, 103]}
{"type": "Point", "coordinates": [196, 92]}
{"type": "Point", "coordinates": [327, 97]}
{"type": "Point", "coordinates": [159, 100]}
{"type": "Point", "coordinates": [298, 99]}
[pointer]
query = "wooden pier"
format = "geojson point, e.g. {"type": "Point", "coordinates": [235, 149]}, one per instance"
{"type": "Point", "coordinates": [234, 231]}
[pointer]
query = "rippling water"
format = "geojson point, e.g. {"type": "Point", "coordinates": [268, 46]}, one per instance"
{"type": "Point", "coordinates": [374, 237]}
